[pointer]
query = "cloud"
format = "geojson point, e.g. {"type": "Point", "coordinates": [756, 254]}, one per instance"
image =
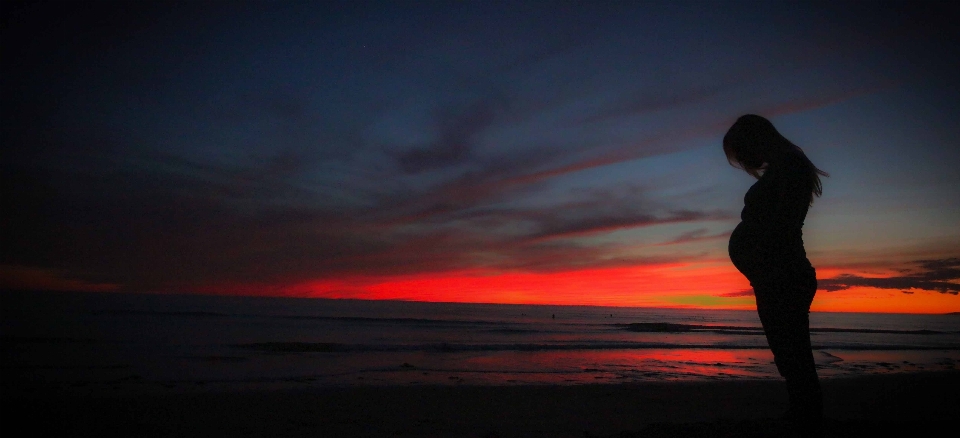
{"type": "Point", "coordinates": [739, 293]}
{"type": "Point", "coordinates": [563, 226]}
{"type": "Point", "coordinates": [826, 99]}
{"type": "Point", "coordinates": [697, 235]}
{"type": "Point", "coordinates": [669, 139]}
{"type": "Point", "coordinates": [455, 142]}
{"type": "Point", "coordinates": [648, 102]}
{"type": "Point", "coordinates": [940, 275]}
{"type": "Point", "coordinates": [13, 277]}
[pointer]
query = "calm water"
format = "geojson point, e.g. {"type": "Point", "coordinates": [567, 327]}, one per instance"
{"type": "Point", "coordinates": [78, 341]}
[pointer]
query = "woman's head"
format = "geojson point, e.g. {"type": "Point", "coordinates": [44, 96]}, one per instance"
{"type": "Point", "coordinates": [752, 142]}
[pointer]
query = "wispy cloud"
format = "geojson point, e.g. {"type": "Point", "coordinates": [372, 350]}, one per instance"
{"type": "Point", "coordinates": [737, 294]}
{"type": "Point", "coordinates": [698, 235]}
{"type": "Point", "coordinates": [564, 227]}
{"type": "Point", "coordinates": [455, 140]}
{"type": "Point", "coordinates": [645, 102]}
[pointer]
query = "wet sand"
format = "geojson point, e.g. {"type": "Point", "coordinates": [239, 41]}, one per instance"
{"type": "Point", "coordinates": [871, 406]}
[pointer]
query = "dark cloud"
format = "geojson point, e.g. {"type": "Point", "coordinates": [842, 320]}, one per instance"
{"type": "Point", "coordinates": [698, 235]}
{"type": "Point", "coordinates": [739, 293]}
{"type": "Point", "coordinates": [578, 223]}
{"type": "Point", "coordinates": [643, 103]}
{"type": "Point", "coordinates": [588, 212]}
{"type": "Point", "coordinates": [941, 275]}
{"type": "Point", "coordinates": [457, 133]}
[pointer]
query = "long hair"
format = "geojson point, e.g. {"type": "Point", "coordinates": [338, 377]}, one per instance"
{"type": "Point", "coordinates": [749, 135]}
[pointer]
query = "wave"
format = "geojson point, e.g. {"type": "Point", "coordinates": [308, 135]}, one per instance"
{"type": "Point", "coordinates": [663, 327]}
{"type": "Point", "coordinates": [511, 327]}
{"type": "Point", "coordinates": [12, 340]}
{"type": "Point", "coordinates": [515, 327]}
{"type": "Point", "coordinates": [200, 314]}
{"type": "Point", "coordinates": [326, 347]}
{"type": "Point", "coordinates": [394, 320]}
{"type": "Point", "coordinates": [359, 319]}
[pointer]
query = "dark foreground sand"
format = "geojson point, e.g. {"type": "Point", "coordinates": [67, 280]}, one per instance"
{"type": "Point", "coordinates": [903, 405]}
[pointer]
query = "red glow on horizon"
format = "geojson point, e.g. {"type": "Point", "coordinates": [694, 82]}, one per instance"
{"type": "Point", "coordinates": [671, 285]}
{"type": "Point", "coordinates": [651, 285]}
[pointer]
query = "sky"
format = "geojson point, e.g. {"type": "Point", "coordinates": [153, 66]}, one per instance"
{"type": "Point", "coordinates": [500, 152]}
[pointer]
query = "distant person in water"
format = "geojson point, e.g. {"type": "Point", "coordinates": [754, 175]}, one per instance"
{"type": "Point", "coordinates": [767, 248]}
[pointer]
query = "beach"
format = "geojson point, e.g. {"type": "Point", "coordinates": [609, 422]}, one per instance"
{"type": "Point", "coordinates": [128, 365]}
{"type": "Point", "coordinates": [906, 404]}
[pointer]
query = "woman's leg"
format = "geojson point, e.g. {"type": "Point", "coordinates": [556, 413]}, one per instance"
{"type": "Point", "coordinates": [784, 312]}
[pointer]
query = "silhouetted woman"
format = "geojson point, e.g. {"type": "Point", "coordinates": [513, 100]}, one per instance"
{"type": "Point", "coordinates": [767, 247]}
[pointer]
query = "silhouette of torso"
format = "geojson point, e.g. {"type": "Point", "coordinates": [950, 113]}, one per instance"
{"type": "Point", "coordinates": [767, 245]}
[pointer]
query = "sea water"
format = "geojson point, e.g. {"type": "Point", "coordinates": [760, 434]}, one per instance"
{"type": "Point", "coordinates": [80, 340]}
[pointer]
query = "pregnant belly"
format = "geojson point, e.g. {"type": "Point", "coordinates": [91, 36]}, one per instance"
{"type": "Point", "coordinates": [744, 249]}
{"type": "Point", "coordinates": [750, 252]}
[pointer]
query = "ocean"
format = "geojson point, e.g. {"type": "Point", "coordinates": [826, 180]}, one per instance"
{"type": "Point", "coordinates": [96, 342]}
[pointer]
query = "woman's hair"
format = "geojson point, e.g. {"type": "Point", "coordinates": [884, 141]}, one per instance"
{"type": "Point", "coordinates": [749, 135]}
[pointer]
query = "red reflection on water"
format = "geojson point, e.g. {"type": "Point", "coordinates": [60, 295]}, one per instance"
{"type": "Point", "coordinates": [603, 366]}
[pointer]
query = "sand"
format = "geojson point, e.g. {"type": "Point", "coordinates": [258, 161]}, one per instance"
{"type": "Point", "coordinates": [875, 406]}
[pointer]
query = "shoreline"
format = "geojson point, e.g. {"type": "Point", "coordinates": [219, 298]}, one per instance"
{"type": "Point", "coordinates": [125, 380]}
{"type": "Point", "coordinates": [883, 405]}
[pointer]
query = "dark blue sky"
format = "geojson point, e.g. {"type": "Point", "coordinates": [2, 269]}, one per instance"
{"type": "Point", "coordinates": [172, 146]}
